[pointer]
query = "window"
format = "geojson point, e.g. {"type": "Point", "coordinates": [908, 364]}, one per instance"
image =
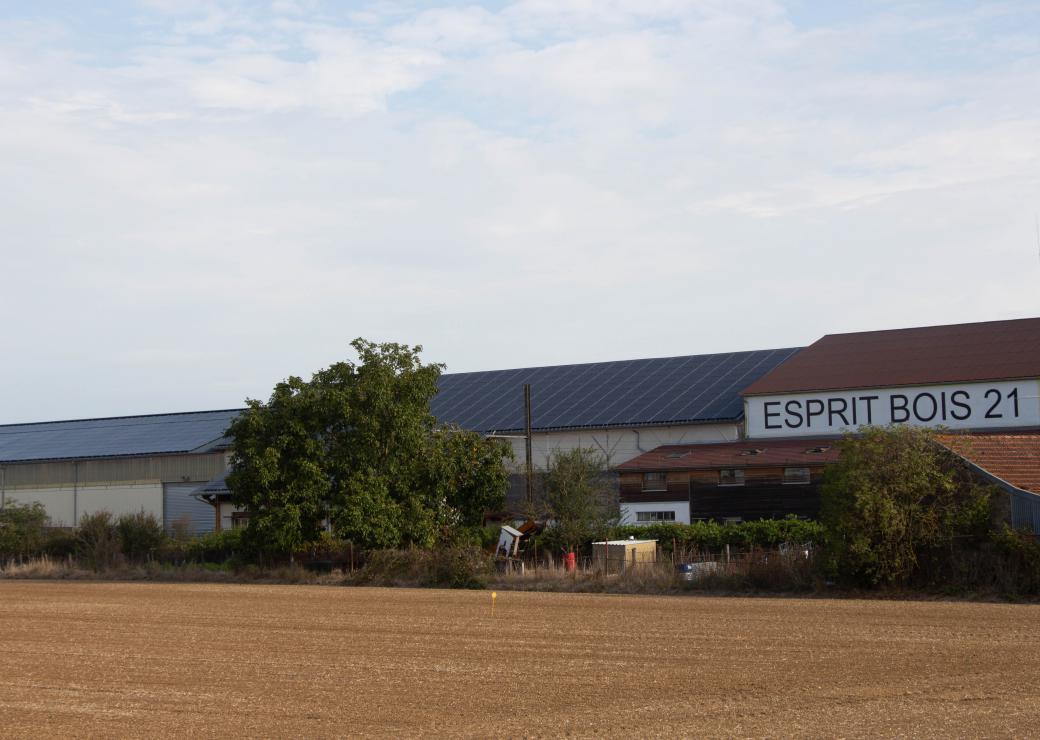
{"type": "Point", "coordinates": [654, 482]}
{"type": "Point", "coordinates": [731, 477]}
{"type": "Point", "coordinates": [796, 475]}
{"type": "Point", "coordinates": [655, 516]}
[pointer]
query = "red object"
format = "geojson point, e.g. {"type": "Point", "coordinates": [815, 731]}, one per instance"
{"type": "Point", "coordinates": [959, 353]}
{"type": "Point", "coordinates": [570, 561]}
{"type": "Point", "coordinates": [771, 453]}
{"type": "Point", "coordinates": [1014, 458]}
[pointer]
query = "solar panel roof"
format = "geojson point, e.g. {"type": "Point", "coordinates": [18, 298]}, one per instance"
{"type": "Point", "coordinates": [668, 390]}
{"type": "Point", "coordinates": [201, 431]}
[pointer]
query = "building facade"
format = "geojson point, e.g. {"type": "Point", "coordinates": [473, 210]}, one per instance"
{"type": "Point", "coordinates": [728, 436]}
{"type": "Point", "coordinates": [980, 382]}
{"type": "Point", "coordinates": [120, 465]}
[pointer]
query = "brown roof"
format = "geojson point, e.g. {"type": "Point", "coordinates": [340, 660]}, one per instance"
{"type": "Point", "coordinates": [744, 454]}
{"type": "Point", "coordinates": [989, 350]}
{"type": "Point", "coordinates": [1014, 458]}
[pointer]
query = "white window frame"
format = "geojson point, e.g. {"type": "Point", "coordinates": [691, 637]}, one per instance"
{"type": "Point", "coordinates": [650, 517]}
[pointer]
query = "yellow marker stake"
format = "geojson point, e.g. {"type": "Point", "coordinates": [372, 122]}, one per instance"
{"type": "Point", "coordinates": [494, 596]}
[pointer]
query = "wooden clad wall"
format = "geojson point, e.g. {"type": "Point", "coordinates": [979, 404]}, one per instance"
{"type": "Point", "coordinates": [764, 495]}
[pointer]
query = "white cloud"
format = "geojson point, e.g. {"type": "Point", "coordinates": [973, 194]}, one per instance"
{"type": "Point", "coordinates": [240, 189]}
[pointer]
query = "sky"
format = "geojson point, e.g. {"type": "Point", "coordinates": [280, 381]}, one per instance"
{"type": "Point", "coordinates": [199, 199]}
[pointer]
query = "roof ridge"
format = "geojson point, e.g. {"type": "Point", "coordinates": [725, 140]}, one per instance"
{"type": "Point", "coordinates": [117, 418]}
{"type": "Point", "coordinates": [619, 362]}
{"type": "Point", "coordinates": [929, 326]}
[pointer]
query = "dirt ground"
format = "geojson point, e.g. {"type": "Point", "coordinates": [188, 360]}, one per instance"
{"type": "Point", "coordinates": [175, 659]}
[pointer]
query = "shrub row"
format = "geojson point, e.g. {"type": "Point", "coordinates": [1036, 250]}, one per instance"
{"type": "Point", "coordinates": [712, 536]}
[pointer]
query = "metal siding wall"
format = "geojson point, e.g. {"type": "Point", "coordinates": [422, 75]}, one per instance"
{"type": "Point", "coordinates": [66, 505]}
{"type": "Point", "coordinates": [120, 499]}
{"type": "Point", "coordinates": [1025, 511]}
{"type": "Point", "coordinates": [619, 445]}
{"type": "Point", "coordinates": [178, 503]}
{"type": "Point", "coordinates": [57, 501]}
{"type": "Point", "coordinates": [165, 468]}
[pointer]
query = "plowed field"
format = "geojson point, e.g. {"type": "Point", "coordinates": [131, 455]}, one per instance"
{"type": "Point", "coordinates": [160, 659]}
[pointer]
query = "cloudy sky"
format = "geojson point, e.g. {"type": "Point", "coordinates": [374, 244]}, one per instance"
{"type": "Point", "coordinates": [200, 198]}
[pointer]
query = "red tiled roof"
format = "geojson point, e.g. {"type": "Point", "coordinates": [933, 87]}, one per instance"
{"type": "Point", "coordinates": [770, 453]}
{"type": "Point", "coordinates": [990, 350]}
{"type": "Point", "coordinates": [1014, 458]}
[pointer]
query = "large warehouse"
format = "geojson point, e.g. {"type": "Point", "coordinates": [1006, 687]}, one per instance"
{"type": "Point", "coordinates": [166, 463]}
{"type": "Point", "coordinates": [122, 465]}
{"type": "Point", "coordinates": [722, 436]}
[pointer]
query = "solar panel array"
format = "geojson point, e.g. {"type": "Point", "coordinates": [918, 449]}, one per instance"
{"type": "Point", "coordinates": [670, 390]}
{"type": "Point", "coordinates": [695, 388]}
{"type": "Point", "coordinates": [130, 435]}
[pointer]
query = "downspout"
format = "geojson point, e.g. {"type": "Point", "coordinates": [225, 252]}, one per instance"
{"type": "Point", "coordinates": [75, 493]}
{"type": "Point", "coordinates": [3, 486]}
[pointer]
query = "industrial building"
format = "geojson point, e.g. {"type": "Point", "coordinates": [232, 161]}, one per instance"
{"type": "Point", "coordinates": [121, 465]}
{"type": "Point", "coordinates": [721, 436]}
{"type": "Point", "coordinates": [981, 381]}
{"type": "Point", "coordinates": [173, 465]}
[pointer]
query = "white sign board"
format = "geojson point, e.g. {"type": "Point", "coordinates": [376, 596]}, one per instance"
{"type": "Point", "coordinates": [1012, 403]}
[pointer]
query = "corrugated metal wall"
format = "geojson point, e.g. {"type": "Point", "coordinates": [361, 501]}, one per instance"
{"type": "Point", "coordinates": [67, 505]}
{"type": "Point", "coordinates": [155, 483]}
{"type": "Point", "coordinates": [1025, 511]}
{"type": "Point", "coordinates": [164, 468]}
{"type": "Point", "coordinates": [179, 505]}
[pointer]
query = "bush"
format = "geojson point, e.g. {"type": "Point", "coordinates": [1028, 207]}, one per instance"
{"type": "Point", "coordinates": [447, 567]}
{"type": "Point", "coordinates": [1009, 563]}
{"type": "Point", "coordinates": [22, 530]}
{"type": "Point", "coordinates": [897, 506]}
{"type": "Point", "coordinates": [483, 537]}
{"type": "Point", "coordinates": [59, 543]}
{"type": "Point", "coordinates": [97, 541]}
{"type": "Point", "coordinates": [140, 536]}
{"type": "Point", "coordinates": [712, 536]}
{"type": "Point", "coordinates": [216, 547]}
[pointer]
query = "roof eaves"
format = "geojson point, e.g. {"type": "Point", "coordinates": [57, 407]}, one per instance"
{"type": "Point", "coordinates": [864, 386]}
{"type": "Point", "coordinates": [77, 458]}
{"type": "Point", "coordinates": [119, 418]}
{"type": "Point", "coordinates": [619, 425]}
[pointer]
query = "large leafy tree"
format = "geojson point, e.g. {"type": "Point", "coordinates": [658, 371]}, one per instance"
{"type": "Point", "coordinates": [896, 502]}
{"type": "Point", "coordinates": [357, 450]}
{"type": "Point", "coordinates": [577, 496]}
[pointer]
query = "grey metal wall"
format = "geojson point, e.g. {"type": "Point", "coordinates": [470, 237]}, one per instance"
{"type": "Point", "coordinates": [165, 468]}
{"type": "Point", "coordinates": [178, 504]}
{"type": "Point", "coordinates": [1025, 511]}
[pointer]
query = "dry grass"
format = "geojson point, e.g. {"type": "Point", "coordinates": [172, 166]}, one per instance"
{"type": "Point", "coordinates": [51, 569]}
{"type": "Point", "coordinates": [41, 567]}
{"type": "Point", "coordinates": [763, 570]}
{"type": "Point", "coordinates": [157, 660]}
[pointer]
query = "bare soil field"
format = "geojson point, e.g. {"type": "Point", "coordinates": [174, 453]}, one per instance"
{"type": "Point", "coordinates": [119, 659]}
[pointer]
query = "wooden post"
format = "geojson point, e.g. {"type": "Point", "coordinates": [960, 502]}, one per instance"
{"type": "Point", "coordinates": [528, 456]}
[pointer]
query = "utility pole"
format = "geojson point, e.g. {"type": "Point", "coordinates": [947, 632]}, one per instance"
{"type": "Point", "coordinates": [528, 464]}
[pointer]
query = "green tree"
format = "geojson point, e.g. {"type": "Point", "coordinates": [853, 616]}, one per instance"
{"type": "Point", "coordinates": [466, 475]}
{"type": "Point", "coordinates": [97, 541]}
{"type": "Point", "coordinates": [22, 530]}
{"type": "Point", "coordinates": [140, 535]}
{"type": "Point", "coordinates": [357, 450]}
{"type": "Point", "coordinates": [895, 502]}
{"type": "Point", "coordinates": [578, 497]}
